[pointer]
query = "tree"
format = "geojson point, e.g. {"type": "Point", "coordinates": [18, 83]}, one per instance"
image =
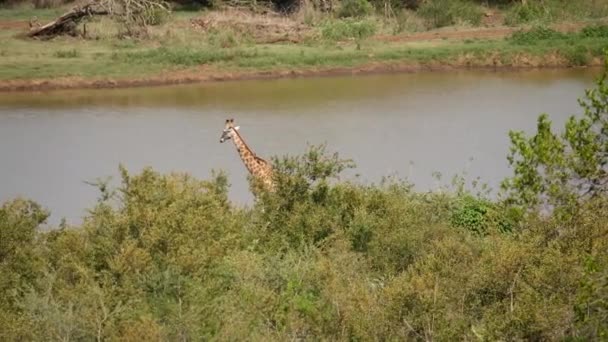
{"type": "Point", "coordinates": [560, 170]}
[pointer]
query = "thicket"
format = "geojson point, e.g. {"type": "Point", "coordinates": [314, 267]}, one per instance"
{"type": "Point", "coordinates": [546, 11]}
{"type": "Point", "coordinates": [169, 257]}
{"type": "Point", "coordinates": [433, 13]}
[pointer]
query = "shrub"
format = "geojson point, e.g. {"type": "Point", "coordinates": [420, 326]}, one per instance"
{"type": "Point", "coordinates": [22, 264]}
{"type": "Point", "coordinates": [408, 21]}
{"type": "Point", "coordinates": [592, 299]}
{"type": "Point", "coordinates": [169, 257]}
{"type": "Point", "coordinates": [225, 38]}
{"type": "Point", "coordinates": [547, 11]}
{"type": "Point", "coordinates": [525, 13]}
{"type": "Point", "coordinates": [302, 187]}
{"type": "Point", "coordinates": [156, 16]}
{"type": "Point", "coordinates": [470, 213]}
{"type": "Point", "coordinates": [562, 169]}
{"type": "Point", "coordinates": [535, 35]}
{"type": "Point", "coordinates": [577, 55]}
{"type": "Point", "coordinates": [595, 31]}
{"type": "Point", "coordinates": [73, 53]}
{"type": "Point", "coordinates": [348, 28]}
{"type": "Point", "coordinates": [439, 13]}
{"type": "Point", "coordinates": [355, 9]}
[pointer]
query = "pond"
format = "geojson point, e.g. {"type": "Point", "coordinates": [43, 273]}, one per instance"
{"type": "Point", "coordinates": [409, 125]}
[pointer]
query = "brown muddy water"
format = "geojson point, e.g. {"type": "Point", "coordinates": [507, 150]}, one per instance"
{"type": "Point", "coordinates": [408, 125]}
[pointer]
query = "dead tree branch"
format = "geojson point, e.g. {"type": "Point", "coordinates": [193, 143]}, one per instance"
{"type": "Point", "coordinates": [130, 13]}
{"type": "Point", "coordinates": [66, 24]}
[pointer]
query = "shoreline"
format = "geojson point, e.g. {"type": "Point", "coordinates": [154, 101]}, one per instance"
{"type": "Point", "coordinates": [203, 74]}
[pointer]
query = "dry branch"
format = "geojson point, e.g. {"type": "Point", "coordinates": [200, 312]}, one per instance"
{"type": "Point", "coordinates": [66, 24]}
{"type": "Point", "coordinates": [130, 13]}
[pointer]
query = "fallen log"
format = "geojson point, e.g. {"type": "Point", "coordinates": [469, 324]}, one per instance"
{"type": "Point", "coordinates": [67, 23]}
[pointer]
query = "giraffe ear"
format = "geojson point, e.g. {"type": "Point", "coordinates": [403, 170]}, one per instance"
{"type": "Point", "coordinates": [237, 128]}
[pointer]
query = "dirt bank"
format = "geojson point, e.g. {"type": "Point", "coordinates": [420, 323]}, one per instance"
{"type": "Point", "coordinates": [208, 74]}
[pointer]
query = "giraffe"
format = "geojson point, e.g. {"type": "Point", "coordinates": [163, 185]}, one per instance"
{"type": "Point", "coordinates": [259, 168]}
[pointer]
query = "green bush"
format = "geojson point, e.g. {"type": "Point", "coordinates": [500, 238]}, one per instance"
{"type": "Point", "coordinates": [355, 9]}
{"type": "Point", "coordinates": [348, 29]}
{"type": "Point", "coordinates": [595, 31]}
{"type": "Point", "coordinates": [22, 264]}
{"type": "Point", "coordinates": [592, 299]}
{"type": "Point", "coordinates": [535, 35]}
{"type": "Point", "coordinates": [73, 53]}
{"type": "Point", "coordinates": [408, 21]}
{"type": "Point", "coordinates": [439, 13]}
{"type": "Point", "coordinates": [470, 213]}
{"type": "Point", "coordinates": [577, 55]}
{"type": "Point", "coordinates": [169, 257]}
{"type": "Point", "coordinates": [156, 16]}
{"type": "Point", "coordinates": [225, 38]}
{"type": "Point", "coordinates": [520, 13]}
{"type": "Point", "coordinates": [548, 11]}
{"type": "Point", "coordinates": [563, 169]}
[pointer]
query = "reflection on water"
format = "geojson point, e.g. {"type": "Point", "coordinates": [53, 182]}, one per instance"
{"type": "Point", "coordinates": [407, 124]}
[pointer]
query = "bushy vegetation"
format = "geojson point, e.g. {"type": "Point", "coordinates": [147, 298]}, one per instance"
{"type": "Point", "coordinates": [542, 34]}
{"type": "Point", "coordinates": [561, 170]}
{"type": "Point", "coordinates": [169, 257]}
{"type": "Point", "coordinates": [576, 47]}
{"type": "Point", "coordinates": [434, 13]}
{"type": "Point", "coordinates": [348, 28]}
{"type": "Point", "coordinates": [538, 34]}
{"type": "Point", "coordinates": [355, 9]}
{"type": "Point", "coordinates": [547, 11]}
{"type": "Point", "coordinates": [439, 13]}
{"type": "Point", "coordinates": [595, 31]}
{"type": "Point", "coordinates": [73, 53]}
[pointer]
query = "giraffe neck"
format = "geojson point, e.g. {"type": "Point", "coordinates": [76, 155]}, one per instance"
{"type": "Point", "coordinates": [246, 154]}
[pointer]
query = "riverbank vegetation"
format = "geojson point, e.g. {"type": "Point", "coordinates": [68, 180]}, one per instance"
{"type": "Point", "coordinates": [169, 257]}
{"type": "Point", "coordinates": [230, 38]}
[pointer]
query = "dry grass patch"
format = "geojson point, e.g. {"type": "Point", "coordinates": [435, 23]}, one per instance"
{"type": "Point", "coordinates": [269, 27]}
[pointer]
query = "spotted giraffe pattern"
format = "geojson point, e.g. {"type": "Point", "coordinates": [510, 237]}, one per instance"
{"type": "Point", "coordinates": [257, 167]}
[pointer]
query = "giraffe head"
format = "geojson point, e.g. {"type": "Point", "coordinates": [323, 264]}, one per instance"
{"type": "Point", "coordinates": [229, 130]}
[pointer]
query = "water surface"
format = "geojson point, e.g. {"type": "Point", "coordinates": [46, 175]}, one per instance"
{"type": "Point", "coordinates": [407, 124]}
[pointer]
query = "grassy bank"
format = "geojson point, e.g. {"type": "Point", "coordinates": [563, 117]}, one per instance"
{"type": "Point", "coordinates": [233, 42]}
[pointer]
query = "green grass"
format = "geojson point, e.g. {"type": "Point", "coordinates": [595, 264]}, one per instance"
{"type": "Point", "coordinates": [90, 59]}
{"type": "Point", "coordinates": [28, 12]}
{"type": "Point", "coordinates": [73, 53]}
{"type": "Point", "coordinates": [440, 13]}
{"type": "Point", "coordinates": [284, 56]}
